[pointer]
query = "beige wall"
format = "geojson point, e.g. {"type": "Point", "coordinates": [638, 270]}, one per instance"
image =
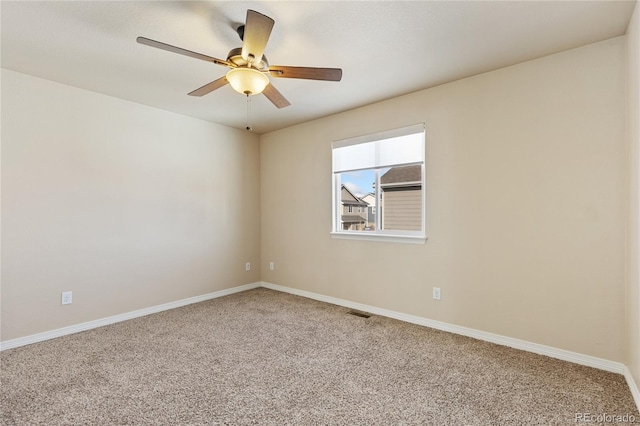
{"type": "Point", "coordinates": [125, 205]}
{"type": "Point", "coordinates": [526, 204]}
{"type": "Point", "coordinates": [633, 114]}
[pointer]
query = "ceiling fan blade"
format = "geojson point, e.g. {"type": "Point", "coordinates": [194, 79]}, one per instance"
{"type": "Point", "coordinates": [174, 49]}
{"type": "Point", "coordinates": [275, 97]}
{"type": "Point", "coordinates": [257, 30]}
{"type": "Point", "coordinates": [308, 73]}
{"type": "Point", "coordinates": [210, 87]}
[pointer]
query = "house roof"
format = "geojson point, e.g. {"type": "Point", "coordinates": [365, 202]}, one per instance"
{"type": "Point", "coordinates": [352, 219]}
{"type": "Point", "coordinates": [355, 203]}
{"type": "Point", "coordinates": [348, 198]}
{"type": "Point", "coordinates": [402, 174]}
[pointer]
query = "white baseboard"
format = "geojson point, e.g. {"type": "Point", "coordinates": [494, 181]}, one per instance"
{"type": "Point", "coordinates": [34, 338]}
{"type": "Point", "coordinates": [633, 386]}
{"type": "Point", "coordinates": [577, 358]}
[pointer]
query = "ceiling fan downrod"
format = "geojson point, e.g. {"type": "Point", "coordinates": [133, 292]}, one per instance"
{"type": "Point", "coordinates": [248, 126]}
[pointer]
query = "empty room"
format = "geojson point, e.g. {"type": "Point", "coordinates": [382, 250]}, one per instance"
{"type": "Point", "coordinates": [320, 212]}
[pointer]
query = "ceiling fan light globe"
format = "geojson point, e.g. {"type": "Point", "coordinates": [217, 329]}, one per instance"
{"type": "Point", "coordinates": [247, 81]}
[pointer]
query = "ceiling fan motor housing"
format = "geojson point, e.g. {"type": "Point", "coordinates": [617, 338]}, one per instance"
{"type": "Point", "coordinates": [235, 57]}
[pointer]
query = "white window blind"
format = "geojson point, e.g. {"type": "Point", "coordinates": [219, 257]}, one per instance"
{"type": "Point", "coordinates": [386, 149]}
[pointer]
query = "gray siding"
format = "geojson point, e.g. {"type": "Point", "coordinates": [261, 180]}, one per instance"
{"type": "Point", "coordinates": [402, 210]}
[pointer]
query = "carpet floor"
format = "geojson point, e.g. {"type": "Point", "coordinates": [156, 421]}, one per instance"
{"type": "Point", "coordinates": [266, 357]}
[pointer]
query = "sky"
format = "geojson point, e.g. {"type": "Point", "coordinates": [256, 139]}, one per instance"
{"type": "Point", "coordinates": [360, 183]}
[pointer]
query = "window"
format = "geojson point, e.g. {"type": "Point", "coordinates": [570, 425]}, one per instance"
{"type": "Point", "coordinates": [383, 175]}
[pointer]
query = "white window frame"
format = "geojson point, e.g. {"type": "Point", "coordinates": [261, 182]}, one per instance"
{"type": "Point", "coordinates": [415, 237]}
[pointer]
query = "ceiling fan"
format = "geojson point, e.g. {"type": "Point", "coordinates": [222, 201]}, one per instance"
{"type": "Point", "coordinates": [249, 69]}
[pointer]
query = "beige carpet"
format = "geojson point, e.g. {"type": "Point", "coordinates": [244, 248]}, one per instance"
{"type": "Point", "coordinates": [265, 357]}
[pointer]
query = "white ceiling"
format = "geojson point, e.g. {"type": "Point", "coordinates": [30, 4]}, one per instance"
{"type": "Point", "coordinates": [385, 48]}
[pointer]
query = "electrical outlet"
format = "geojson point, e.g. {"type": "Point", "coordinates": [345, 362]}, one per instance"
{"type": "Point", "coordinates": [436, 293]}
{"type": "Point", "coordinates": [67, 298]}
{"type": "Point", "coordinates": [272, 266]}
{"type": "Point", "coordinates": [247, 266]}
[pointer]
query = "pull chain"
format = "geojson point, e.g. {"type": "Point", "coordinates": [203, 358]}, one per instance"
{"type": "Point", "coordinates": [248, 127]}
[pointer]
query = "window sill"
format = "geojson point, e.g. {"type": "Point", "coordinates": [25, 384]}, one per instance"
{"type": "Point", "coordinates": [389, 238]}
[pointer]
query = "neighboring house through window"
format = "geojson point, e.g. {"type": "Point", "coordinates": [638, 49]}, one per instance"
{"type": "Point", "coordinates": [401, 198]}
{"type": "Point", "coordinates": [351, 221]}
{"type": "Point", "coordinates": [370, 199]}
